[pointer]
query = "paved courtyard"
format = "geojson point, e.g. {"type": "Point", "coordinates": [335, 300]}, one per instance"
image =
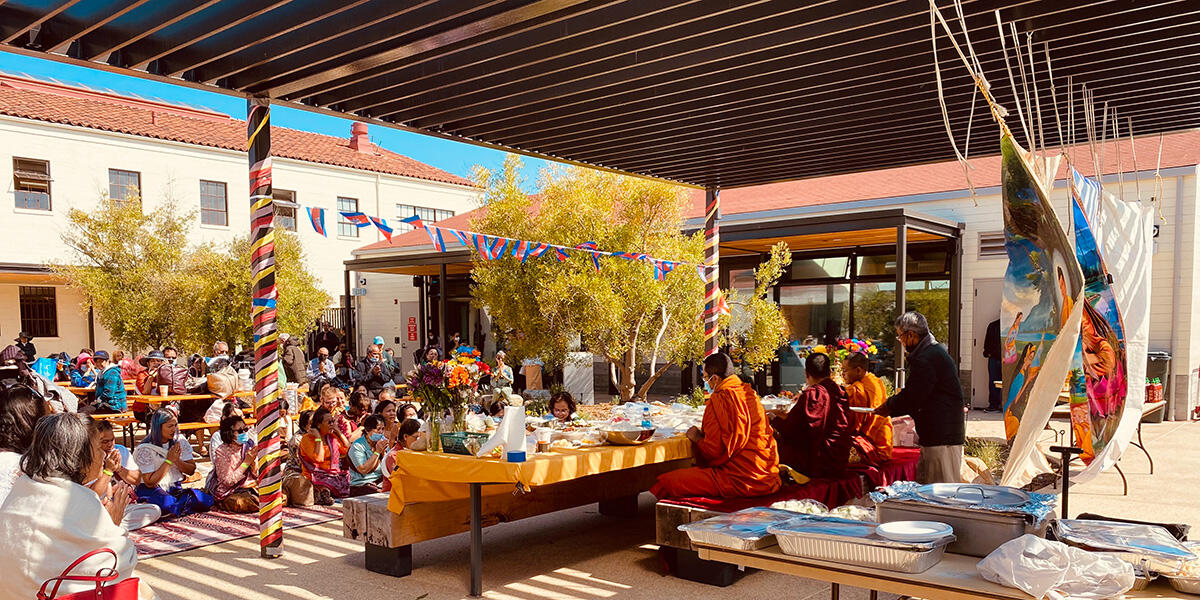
{"type": "Point", "coordinates": [579, 555]}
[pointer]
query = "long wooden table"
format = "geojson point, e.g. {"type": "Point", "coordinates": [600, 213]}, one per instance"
{"type": "Point", "coordinates": [435, 495]}
{"type": "Point", "coordinates": [954, 578]}
{"type": "Point", "coordinates": [155, 399]}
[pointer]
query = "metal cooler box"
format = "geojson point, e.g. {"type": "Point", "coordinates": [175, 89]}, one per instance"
{"type": "Point", "coordinates": [979, 531]}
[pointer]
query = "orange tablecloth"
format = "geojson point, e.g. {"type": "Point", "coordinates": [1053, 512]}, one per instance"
{"type": "Point", "coordinates": [435, 476]}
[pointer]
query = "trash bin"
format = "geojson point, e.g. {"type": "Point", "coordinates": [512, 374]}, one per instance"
{"type": "Point", "coordinates": [1158, 366]}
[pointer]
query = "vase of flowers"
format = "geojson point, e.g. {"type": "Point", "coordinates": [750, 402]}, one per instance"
{"type": "Point", "coordinates": [428, 384]}
{"type": "Point", "coordinates": [463, 372]}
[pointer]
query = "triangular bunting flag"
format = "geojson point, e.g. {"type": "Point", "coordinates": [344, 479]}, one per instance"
{"type": "Point", "coordinates": [435, 236]}
{"type": "Point", "coordinates": [317, 217]}
{"type": "Point", "coordinates": [415, 221]}
{"type": "Point", "coordinates": [383, 227]}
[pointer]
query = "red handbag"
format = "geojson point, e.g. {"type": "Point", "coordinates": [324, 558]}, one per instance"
{"type": "Point", "coordinates": [125, 590]}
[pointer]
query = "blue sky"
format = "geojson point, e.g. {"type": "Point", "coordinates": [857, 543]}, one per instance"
{"type": "Point", "coordinates": [455, 157]}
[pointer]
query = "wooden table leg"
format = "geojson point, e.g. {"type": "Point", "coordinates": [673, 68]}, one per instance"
{"type": "Point", "coordinates": [476, 540]}
{"type": "Point", "coordinates": [625, 506]}
{"type": "Point", "coordinates": [835, 591]}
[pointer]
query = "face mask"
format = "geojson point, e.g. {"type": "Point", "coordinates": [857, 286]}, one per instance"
{"type": "Point", "coordinates": [707, 387]}
{"type": "Point", "coordinates": [243, 438]}
{"type": "Point", "coordinates": [375, 437]}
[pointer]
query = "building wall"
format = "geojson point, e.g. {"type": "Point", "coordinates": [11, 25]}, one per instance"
{"type": "Point", "coordinates": [79, 162]}
{"type": "Point", "coordinates": [72, 321]}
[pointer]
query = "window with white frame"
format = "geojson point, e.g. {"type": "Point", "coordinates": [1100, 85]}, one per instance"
{"type": "Point", "coordinates": [345, 227]}
{"type": "Point", "coordinates": [432, 215]}
{"type": "Point", "coordinates": [214, 203]}
{"type": "Point", "coordinates": [31, 183]}
{"type": "Point", "coordinates": [285, 209]}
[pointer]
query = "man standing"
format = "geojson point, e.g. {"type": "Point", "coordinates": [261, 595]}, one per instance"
{"type": "Point", "coordinates": [992, 351]}
{"type": "Point", "coordinates": [737, 455]}
{"type": "Point", "coordinates": [933, 396]}
{"type": "Point", "coordinates": [25, 344]}
{"type": "Point", "coordinates": [326, 338]}
{"type": "Point", "coordinates": [814, 437]}
{"type": "Point", "coordinates": [293, 360]}
{"type": "Point", "coordinates": [110, 388]}
{"type": "Point", "coordinates": [372, 372]}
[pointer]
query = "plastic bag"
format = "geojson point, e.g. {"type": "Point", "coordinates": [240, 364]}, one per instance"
{"type": "Point", "coordinates": [1044, 568]}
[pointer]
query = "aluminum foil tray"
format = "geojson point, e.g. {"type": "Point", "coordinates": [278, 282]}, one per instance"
{"type": "Point", "coordinates": [742, 530]}
{"type": "Point", "coordinates": [856, 545]}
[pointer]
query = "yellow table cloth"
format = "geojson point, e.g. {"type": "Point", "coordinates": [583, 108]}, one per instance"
{"type": "Point", "coordinates": [435, 476]}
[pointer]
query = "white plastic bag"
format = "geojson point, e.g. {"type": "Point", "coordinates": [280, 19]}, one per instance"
{"type": "Point", "coordinates": [1043, 568]}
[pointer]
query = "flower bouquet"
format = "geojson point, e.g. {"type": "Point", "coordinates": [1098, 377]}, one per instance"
{"type": "Point", "coordinates": [428, 384]}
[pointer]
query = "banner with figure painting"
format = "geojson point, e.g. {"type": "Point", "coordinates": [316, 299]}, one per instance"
{"type": "Point", "coordinates": [1116, 328]}
{"type": "Point", "coordinates": [1102, 343]}
{"type": "Point", "coordinates": [1041, 308]}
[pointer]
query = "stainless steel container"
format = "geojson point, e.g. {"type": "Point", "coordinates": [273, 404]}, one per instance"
{"type": "Point", "coordinates": [978, 532]}
{"type": "Point", "coordinates": [861, 552]}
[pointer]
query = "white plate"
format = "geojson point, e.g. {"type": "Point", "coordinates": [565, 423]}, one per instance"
{"type": "Point", "coordinates": [862, 409]}
{"type": "Point", "coordinates": [914, 531]}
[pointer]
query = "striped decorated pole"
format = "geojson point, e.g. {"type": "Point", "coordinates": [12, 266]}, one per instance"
{"type": "Point", "coordinates": [266, 352]}
{"type": "Point", "coordinates": [712, 258]}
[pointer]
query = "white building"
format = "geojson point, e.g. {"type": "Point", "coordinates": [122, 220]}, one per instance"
{"type": "Point", "coordinates": [68, 147]}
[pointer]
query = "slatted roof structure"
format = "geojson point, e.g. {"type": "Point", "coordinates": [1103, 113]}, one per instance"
{"type": "Point", "coordinates": [702, 92]}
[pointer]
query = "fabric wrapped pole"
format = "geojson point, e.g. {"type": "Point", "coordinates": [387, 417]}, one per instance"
{"type": "Point", "coordinates": [712, 258]}
{"type": "Point", "coordinates": [266, 352]}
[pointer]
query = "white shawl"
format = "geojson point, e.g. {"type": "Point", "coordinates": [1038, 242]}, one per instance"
{"type": "Point", "coordinates": [47, 525]}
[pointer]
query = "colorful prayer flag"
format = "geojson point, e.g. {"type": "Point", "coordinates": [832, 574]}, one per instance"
{"type": "Point", "coordinates": [317, 217]}
{"type": "Point", "coordinates": [414, 220]}
{"type": "Point", "coordinates": [383, 227]}
{"type": "Point", "coordinates": [358, 219]}
{"type": "Point", "coordinates": [462, 237]}
{"type": "Point", "coordinates": [560, 253]}
{"type": "Point", "coordinates": [435, 236]}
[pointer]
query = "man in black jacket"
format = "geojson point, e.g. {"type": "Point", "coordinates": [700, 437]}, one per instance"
{"type": "Point", "coordinates": [372, 372]}
{"type": "Point", "coordinates": [933, 396]}
{"type": "Point", "coordinates": [993, 351]}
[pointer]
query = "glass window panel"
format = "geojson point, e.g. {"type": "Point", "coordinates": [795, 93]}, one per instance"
{"type": "Point", "coordinates": [31, 183]}
{"type": "Point", "coordinates": [39, 313]}
{"type": "Point", "coordinates": [875, 313]}
{"type": "Point", "coordinates": [213, 204]}
{"type": "Point", "coordinates": [285, 209]}
{"type": "Point", "coordinates": [346, 228]}
{"type": "Point", "coordinates": [123, 185]}
{"type": "Point", "coordinates": [814, 314]}
{"type": "Point", "coordinates": [821, 268]}
{"type": "Point", "coordinates": [919, 262]}
{"type": "Point", "coordinates": [431, 215]}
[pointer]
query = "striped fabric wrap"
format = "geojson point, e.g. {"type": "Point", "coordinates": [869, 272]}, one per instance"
{"type": "Point", "coordinates": [712, 257]}
{"type": "Point", "coordinates": [266, 352]}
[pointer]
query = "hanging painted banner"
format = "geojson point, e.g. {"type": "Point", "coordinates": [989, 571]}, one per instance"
{"type": "Point", "coordinates": [1102, 344]}
{"type": "Point", "coordinates": [1041, 307]}
{"type": "Point", "coordinates": [1125, 232]}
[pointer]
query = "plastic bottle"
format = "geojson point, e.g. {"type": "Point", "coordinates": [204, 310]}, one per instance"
{"type": "Point", "coordinates": [646, 424]}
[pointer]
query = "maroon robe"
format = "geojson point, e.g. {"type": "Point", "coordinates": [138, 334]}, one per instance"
{"type": "Point", "coordinates": [814, 437]}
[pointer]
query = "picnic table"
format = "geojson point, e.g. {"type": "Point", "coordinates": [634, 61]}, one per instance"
{"type": "Point", "coordinates": [156, 399]}
{"type": "Point", "coordinates": [954, 578]}
{"type": "Point", "coordinates": [436, 495]}
{"type": "Point", "coordinates": [1063, 411]}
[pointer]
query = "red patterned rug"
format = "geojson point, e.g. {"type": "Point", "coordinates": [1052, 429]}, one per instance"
{"type": "Point", "coordinates": [214, 527]}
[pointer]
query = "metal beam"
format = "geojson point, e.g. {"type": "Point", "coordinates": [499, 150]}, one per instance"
{"type": "Point", "coordinates": [59, 38]}
{"type": "Point", "coordinates": [12, 34]}
{"type": "Point", "coordinates": [198, 29]}
{"type": "Point", "coordinates": [901, 300]}
{"type": "Point", "coordinates": [103, 43]}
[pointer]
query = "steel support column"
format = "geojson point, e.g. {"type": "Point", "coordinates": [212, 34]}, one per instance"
{"type": "Point", "coordinates": [712, 258]}
{"type": "Point", "coordinates": [442, 305]}
{"type": "Point", "coordinates": [955, 341]}
{"type": "Point", "coordinates": [901, 279]}
{"type": "Point", "coordinates": [266, 354]}
{"type": "Point", "coordinates": [348, 302]}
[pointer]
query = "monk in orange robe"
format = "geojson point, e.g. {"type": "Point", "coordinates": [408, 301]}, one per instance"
{"type": "Point", "coordinates": [734, 446]}
{"type": "Point", "coordinates": [864, 389]}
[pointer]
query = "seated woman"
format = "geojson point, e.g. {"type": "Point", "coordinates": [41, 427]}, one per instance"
{"type": "Point", "coordinates": [51, 518]}
{"type": "Point", "coordinates": [232, 480]}
{"type": "Point", "coordinates": [333, 399]}
{"type": "Point", "coordinates": [386, 410]}
{"type": "Point", "coordinates": [366, 457]}
{"type": "Point", "coordinates": [118, 475]}
{"type": "Point", "coordinates": [562, 406]}
{"type": "Point", "coordinates": [165, 459]}
{"type": "Point", "coordinates": [408, 438]}
{"type": "Point", "coordinates": [733, 446]}
{"type": "Point", "coordinates": [20, 409]}
{"type": "Point", "coordinates": [84, 372]}
{"type": "Point", "coordinates": [357, 407]}
{"type": "Point", "coordinates": [321, 451]}
{"type": "Point", "coordinates": [297, 487]}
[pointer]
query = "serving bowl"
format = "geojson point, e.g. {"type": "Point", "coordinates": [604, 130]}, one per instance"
{"type": "Point", "coordinates": [627, 437]}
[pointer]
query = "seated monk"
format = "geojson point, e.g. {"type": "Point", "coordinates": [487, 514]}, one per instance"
{"type": "Point", "coordinates": [733, 446]}
{"type": "Point", "coordinates": [814, 437]}
{"type": "Point", "coordinates": [864, 389]}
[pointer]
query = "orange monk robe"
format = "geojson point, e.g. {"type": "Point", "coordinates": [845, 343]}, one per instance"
{"type": "Point", "coordinates": [868, 392]}
{"type": "Point", "coordinates": [738, 455]}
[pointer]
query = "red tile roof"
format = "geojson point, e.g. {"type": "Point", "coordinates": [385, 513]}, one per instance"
{"type": "Point", "coordinates": [58, 103]}
{"type": "Point", "coordinates": [1179, 149]}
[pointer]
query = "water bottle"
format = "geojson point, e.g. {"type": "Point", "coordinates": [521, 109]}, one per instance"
{"type": "Point", "coordinates": [646, 424]}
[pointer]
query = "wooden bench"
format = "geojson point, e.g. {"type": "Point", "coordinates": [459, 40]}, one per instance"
{"type": "Point", "coordinates": [388, 537]}
{"type": "Point", "coordinates": [126, 421]}
{"type": "Point", "coordinates": [204, 430]}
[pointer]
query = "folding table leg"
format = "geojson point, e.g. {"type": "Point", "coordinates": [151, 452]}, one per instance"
{"type": "Point", "coordinates": [476, 540]}
{"type": "Point", "coordinates": [835, 591]}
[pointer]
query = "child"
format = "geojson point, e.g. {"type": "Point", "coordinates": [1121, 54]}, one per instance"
{"type": "Point", "coordinates": [562, 406]}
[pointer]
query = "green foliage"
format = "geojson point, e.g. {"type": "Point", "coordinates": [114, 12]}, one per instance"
{"type": "Point", "coordinates": [875, 314]}
{"type": "Point", "coordinates": [548, 309]}
{"type": "Point", "coordinates": [695, 399]}
{"type": "Point", "coordinates": [991, 452]}
{"type": "Point", "coordinates": [757, 329]}
{"type": "Point", "coordinates": [149, 288]}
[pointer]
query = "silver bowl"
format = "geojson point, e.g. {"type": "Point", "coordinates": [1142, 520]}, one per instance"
{"type": "Point", "coordinates": [631, 437]}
